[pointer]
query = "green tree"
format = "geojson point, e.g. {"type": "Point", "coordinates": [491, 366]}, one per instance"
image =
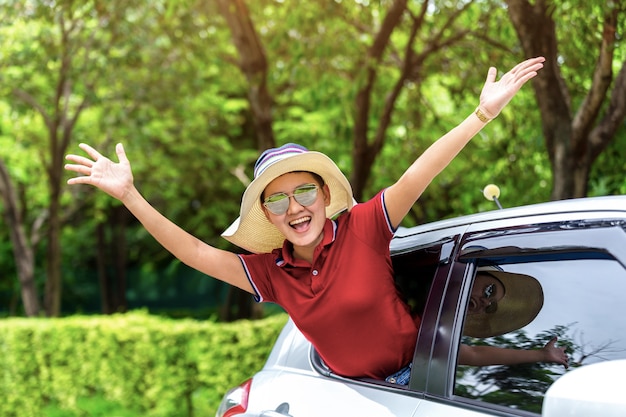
{"type": "Point", "coordinates": [582, 102]}
{"type": "Point", "coordinates": [196, 89]}
{"type": "Point", "coordinates": [22, 246]}
{"type": "Point", "coordinates": [521, 386]}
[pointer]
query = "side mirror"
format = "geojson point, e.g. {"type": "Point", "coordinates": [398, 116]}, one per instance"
{"type": "Point", "coordinates": [591, 390]}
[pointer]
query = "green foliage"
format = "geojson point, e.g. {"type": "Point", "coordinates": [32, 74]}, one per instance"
{"type": "Point", "coordinates": [520, 386]}
{"type": "Point", "coordinates": [141, 363]}
{"type": "Point", "coordinates": [161, 77]}
{"type": "Point", "coordinates": [95, 406]}
{"type": "Point", "coordinates": [607, 175]}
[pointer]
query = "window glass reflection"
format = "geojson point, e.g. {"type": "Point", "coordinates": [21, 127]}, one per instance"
{"type": "Point", "coordinates": [580, 302]}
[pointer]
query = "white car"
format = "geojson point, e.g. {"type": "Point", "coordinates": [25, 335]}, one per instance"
{"type": "Point", "coordinates": [575, 253]}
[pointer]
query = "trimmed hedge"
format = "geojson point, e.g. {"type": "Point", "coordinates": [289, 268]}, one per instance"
{"type": "Point", "coordinates": [154, 365]}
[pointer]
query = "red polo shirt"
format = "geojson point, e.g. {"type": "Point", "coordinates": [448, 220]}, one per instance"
{"type": "Point", "coordinates": [345, 302]}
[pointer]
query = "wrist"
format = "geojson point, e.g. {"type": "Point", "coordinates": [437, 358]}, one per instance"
{"type": "Point", "coordinates": [483, 115]}
{"type": "Point", "coordinates": [130, 197]}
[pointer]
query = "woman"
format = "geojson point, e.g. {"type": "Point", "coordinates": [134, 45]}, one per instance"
{"type": "Point", "coordinates": [333, 277]}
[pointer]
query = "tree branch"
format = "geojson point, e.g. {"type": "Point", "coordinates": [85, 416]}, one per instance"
{"type": "Point", "coordinates": [602, 78]}
{"type": "Point", "coordinates": [604, 132]}
{"type": "Point", "coordinates": [30, 100]}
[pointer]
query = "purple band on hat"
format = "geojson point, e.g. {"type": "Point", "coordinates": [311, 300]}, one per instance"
{"type": "Point", "coordinates": [272, 155]}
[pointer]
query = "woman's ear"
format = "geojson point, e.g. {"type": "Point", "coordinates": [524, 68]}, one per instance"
{"type": "Point", "coordinates": [266, 212]}
{"type": "Point", "coordinates": [326, 192]}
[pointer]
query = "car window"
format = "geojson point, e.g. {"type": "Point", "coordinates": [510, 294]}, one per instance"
{"type": "Point", "coordinates": [579, 301]}
{"type": "Point", "coordinates": [414, 272]}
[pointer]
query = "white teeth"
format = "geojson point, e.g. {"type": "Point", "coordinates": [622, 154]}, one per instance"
{"type": "Point", "coordinates": [298, 221]}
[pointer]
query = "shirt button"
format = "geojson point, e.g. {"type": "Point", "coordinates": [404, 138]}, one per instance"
{"type": "Point", "coordinates": [314, 272]}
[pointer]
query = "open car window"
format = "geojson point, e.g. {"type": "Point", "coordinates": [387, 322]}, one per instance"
{"type": "Point", "coordinates": [414, 272]}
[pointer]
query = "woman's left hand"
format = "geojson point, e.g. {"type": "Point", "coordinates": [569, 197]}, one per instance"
{"type": "Point", "coordinates": [497, 94]}
{"type": "Point", "coordinates": [555, 354]}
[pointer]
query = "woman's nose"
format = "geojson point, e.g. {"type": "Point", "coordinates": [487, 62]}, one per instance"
{"type": "Point", "coordinates": [484, 302]}
{"type": "Point", "coordinates": [294, 206]}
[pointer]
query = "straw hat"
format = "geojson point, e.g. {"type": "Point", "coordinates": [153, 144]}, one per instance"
{"type": "Point", "coordinates": [251, 230]}
{"type": "Point", "coordinates": [522, 301]}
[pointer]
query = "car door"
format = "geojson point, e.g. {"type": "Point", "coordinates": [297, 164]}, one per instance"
{"type": "Point", "coordinates": [294, 383]}
{"type": "Point", "coordinates": [579, 262]}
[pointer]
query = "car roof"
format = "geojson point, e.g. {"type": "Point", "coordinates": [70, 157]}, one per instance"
{"type": "Point", "coordinates": [579, 205]}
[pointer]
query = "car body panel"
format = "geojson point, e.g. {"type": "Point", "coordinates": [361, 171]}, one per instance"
{"type": "Point", "coordinates": [288, 370]}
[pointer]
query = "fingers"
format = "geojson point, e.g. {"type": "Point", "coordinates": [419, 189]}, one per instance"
{"type": "Point", "coordinates": [79, 180]}
{"type": "Point", "coordinates": [536, 62]}
{"type": "Point", "coordinates": [79, 160]}
{"type": "Point", "coordinates": [79, 168]}
{"type": "Point", "coordinates": [550, 343]}
{"type": "Point", "coordinates": [121, 154]}
{"type": "Point", "coordinates": [491, 75]}
{"type": "Point", "coordinates": [526, 70]}
{"type": "Point", "coordinates": [564, 358]}
{"type": "Point", "coordinates": [95, 155]}
{"type": "Point", "coordinates": [82, 165]}
{"type": "Point", "coordinates": [532, 64]}
{"type": "Point", "coordinates": [523, 71]}
{"type": "Point", "coordinates": [496, 94]}
{"type": "Point", "coordinates": [560, 355]}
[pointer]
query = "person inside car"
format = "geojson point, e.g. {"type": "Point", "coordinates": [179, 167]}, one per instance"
{"type": "Point", "coordinates": [313, 251]}
{"type": "Point", "coordinates": [501, 302]}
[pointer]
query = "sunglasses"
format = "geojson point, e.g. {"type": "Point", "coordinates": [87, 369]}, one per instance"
{"type": "Point", "coordinates": [492, 307]}
{"type": "Point", "coordinates": [278, 203]}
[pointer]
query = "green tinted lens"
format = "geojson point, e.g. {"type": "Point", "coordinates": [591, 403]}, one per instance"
{"type": "Point", "coordinates": [277, 203]}
{"type": "Point", "coordinates": [276, 198]}
{"type": "Point", "coordinates": [304, 195]}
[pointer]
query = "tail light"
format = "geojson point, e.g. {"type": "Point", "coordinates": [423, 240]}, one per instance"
{"type": "Point", "coordinates": [235, 401]}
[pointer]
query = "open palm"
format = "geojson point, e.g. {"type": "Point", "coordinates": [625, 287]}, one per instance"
{"type": "Point", "coordinates": [115, 179]}
{"type": "Point", "coordinates": [496, 94]}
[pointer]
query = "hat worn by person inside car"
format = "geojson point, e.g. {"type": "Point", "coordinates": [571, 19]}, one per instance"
{"type": "Point", "coordinates": [522, 301]}
{"type": "Point", "coordinates": [251, 230]}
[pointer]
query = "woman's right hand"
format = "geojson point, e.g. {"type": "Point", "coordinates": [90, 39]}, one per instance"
{"type": "Point", "coordinates": [115, 179]}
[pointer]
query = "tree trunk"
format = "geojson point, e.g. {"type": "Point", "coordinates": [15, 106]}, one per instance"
{"type": "Point", "coordinates": [54, 288]}
{"type": "Point", "coordinates": [366, 148]}
{"type": "Point", "coordinates": [52, 299]}
{"type": "Point", "coordinates": [253, 64]}
{"type": "Point", "coordinates": [364, 152]}
{"type": "Point", "coordinates": [120, 250]}
{"type": "Point", "coordinates": [112, 261]}
{"type": "Point", "coordinates": [106, 305]}
{"type": "Point", "coordinates": [573, 139]}
{"type": "Point", "coordinates": [22, 251]}
{"type": "Point", "coordinates": [238, 306]}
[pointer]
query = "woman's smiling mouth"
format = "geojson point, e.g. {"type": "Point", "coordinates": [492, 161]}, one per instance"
{"type": "Point", "coordinates": [298, 223]}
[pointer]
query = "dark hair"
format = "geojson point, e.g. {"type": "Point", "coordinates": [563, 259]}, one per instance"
{"type": "Point", "coordinates": [318, 178]}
